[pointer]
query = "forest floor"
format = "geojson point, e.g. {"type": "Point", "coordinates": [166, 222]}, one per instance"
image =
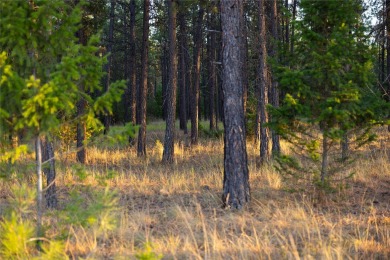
{"type": "Point", "coordinates": [174, 211]}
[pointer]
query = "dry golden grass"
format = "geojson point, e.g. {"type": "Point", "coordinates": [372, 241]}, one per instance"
{"type": "Point", "coordinates": [177, 208]}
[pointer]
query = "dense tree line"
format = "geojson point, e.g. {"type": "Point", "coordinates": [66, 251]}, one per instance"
{"type": "Point", "coordinates": [312, 72]}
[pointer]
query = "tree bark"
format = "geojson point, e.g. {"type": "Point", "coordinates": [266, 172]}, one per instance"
{"type": "Point", "coordinates": [212, 69]}
{"type": "Point", "coordinates": [196, 78]}
{"type": "Point", "coordinates": [81, 105]}
{"type": "Point", "coordinates": [388, 51]}
{"type": "Point", "coordinates": [236, 191]}
{"type": "Point", "coordinates": [107, 118]}
{"type": "Point", "coordinates": [168, 153]}
{"type": "Point", "coordinates": [262, 115]}
{"type": "Point", "coordinates": [132, 84]}
{"type": "Point", "coordinates": [325, 151]}
{"type": "Point", "coordinates": [141, 151]}
{"type": "Point", "coordinates": [164, 78]}
{"type": "Point", "coordinates": [274, 86]}
{"type": "Point", "coordinates": [38, 155]}
{"type": "Point", "coordinates": [50, 172]}
{"type": "Point", "coordinates": [183, 46]}
{"type": "Point", "coordinates": [294, 14]}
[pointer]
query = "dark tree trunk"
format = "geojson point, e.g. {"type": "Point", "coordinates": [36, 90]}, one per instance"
{"type": "Point", "coordinates": [107, 118]}
{"type": "Point", "coordinates": [81, 154]}
{"type": "Point", "coordinates": [183, 48]}
{"type": "Point", "coordinates": [164, 79]}
{"type": "Point", "coordinates": [236, 192]}
{"type": "Point", "coordinates": [213, 76]}
{"type": "Point", "coordinates": [168, 153]}
{"type": "Point", "coordinates": [262, 115]}
{"type": "Point", "coordinates": [294, 14]}
{"type": "Point", "coordinates": [244, 63]}
{"type": "Point", "coordinates": [196, 78]}
{"type": "Point", "coordinates": [388, 51]}
{"type": "Point", "coordinates": [141, 150]}
{"type": "Point", "coordinates": [274, 86]}
{"type": "Point", "coordinates": [50, 172]}
{"type": "Point", "coordinates": [132, 84]}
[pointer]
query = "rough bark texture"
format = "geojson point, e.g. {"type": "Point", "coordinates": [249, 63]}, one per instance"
{"type": "Point", "coordinates": [294, 14]}
{"type": "Point", "coordinates": [38, 154]}
{"type": "Point", "coordinates": [274, 87]}
{"type": "Point", "coordinates": [196, 78]}
{"type": "Point", "coordinates": [262, 115]}
{"type": "Point", "coordinates": [107, 118]}
{"type": "Point", "coordinates": [132, 84]}
{"type": "Point", "coordinates": [141, 150]}
{"type": "Point", "coordinates": [212, 71]}
{"type": "Point", "coordinates": [388, 51]}
{"type": "Point", "coordinates": [81, 154]}
{"type": "Point", "coordinates": [325, 151]}
{"type": "Point", "coordinates": [183, 48]}
{"type": "Point", "coordinates": [50, 172]}
{"type": "Point", "coordinates": [164, 78]}
{"type": "Point", "coordinates": [168, 153]}
{"type": "Point", "coordinates": [236, 192]}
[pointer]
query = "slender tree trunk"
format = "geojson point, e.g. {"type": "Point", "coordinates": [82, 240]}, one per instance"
{"type": "Point", "coordinates": [196, 78]}
{"type": "Point", "coordinates": [244, 62]}
{"type": "Point", "coordinates": [81, 154]}
{"type": "Point", "coordinates": [81, 105]}
{"type": "Point", "coordinates": [274, 88]}
{"type": "Point", "coordinates": [213, 76]}
{"type": "Point", "coordinates": [388, 51]}
{"type": "Point", "coordinates": [107, 118]}
{"type": "Point", "coordinates": [50, 172]}
{"type": "Point", "coordinates": [294, 14]}
{"type": "Point", "coordinates": [168, 153]}
{"type": "Point", "coordinates": [38, 154]}
{"type": "Point", "coordinates": [141, 151]}
{"type": "Point", "coordinates": [325, 151]}
{"type": "Point", "coordinates": [132, 84]}
{"type": "Point", "coordinates": [164, 79]}
{"type": "Point", "coordinates": [344, 147]}
{"type": "Point", "coordinates": [263, 87]}
{"type": "Point", "coordinates": [183, 70]}
{"type": "Point", "coordinates": [236, 192]}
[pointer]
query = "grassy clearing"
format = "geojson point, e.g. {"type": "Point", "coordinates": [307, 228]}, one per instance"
{"type": "Point", "coordinates": [175, 211]}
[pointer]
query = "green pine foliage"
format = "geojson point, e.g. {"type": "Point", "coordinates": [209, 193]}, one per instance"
{"type": "Point", "coordinates": [329, 90]}
{"type": "Point", "coordinates": [42, 67]}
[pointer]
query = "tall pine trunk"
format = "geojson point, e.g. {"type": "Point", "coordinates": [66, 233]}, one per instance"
{"type": "Point", "coordinates": [183, 48]}
{"type": "Point", "coordinates": [141, 151]}
{"type": "Point", "coordinates": [236, 192]}
{"type": "Point", "coordinates": [81, 105]}
{"type": "Point", "coordinates": [212, 70]}
{"type": "Point", "coordinates": [168, 153]}
{"type": "Point", "coordinates": [262, 115]}
{"type": "Point", "coordinates": [274, 84]}
{"type": "Point", "coordinates": [49, 169]}
{"type": "Point", "coordinates": [132, 83]}
{"type": "Point", "coordinates": [196, 78]}
{"type": "Point", "coordinates": [107, 118]}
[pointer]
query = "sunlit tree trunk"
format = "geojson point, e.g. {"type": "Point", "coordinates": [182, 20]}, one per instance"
{"type": "Point", "coordinates": [183, 48]}
{"type": "Point", "coordinates": [236, 192]}
{"type": "Point", "coordinates": [262, 115]}
{"type": "Point", "coordinates": [141, 151]}
{"type": "Point", "coordinates": [196, 78]}
{"type": "Point", "coordinates": [168, 153]}
{"type": "Point", "coordinates": [274, 93]}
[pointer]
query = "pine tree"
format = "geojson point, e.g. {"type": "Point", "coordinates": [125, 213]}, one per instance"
{"type": "Point", "coordinates": [327, 89]}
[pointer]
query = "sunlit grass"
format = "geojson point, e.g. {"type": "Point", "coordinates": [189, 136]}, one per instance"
{"type": "Point", "coordinates": [177, 208]}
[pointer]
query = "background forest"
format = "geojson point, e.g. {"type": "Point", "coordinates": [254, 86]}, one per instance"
{"type": "Point", "coordinates": [180, 129]}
